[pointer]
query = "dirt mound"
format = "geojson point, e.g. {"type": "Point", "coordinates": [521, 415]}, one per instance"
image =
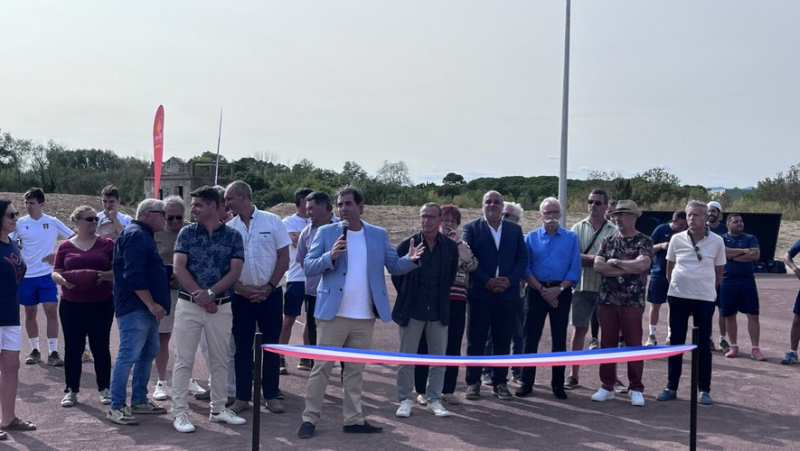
{"type": "Point", "coordinates": [62, 205]}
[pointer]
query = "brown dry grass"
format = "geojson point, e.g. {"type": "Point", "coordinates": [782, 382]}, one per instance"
{"type": "Point", "coordinates": [399, 221]}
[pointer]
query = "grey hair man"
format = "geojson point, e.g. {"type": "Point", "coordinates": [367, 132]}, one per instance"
{"type": "Point", "coordinates": [695, 264]}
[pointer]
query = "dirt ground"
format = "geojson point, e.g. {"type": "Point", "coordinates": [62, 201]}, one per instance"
{"type": "Point", "coordinates": [755, 408]}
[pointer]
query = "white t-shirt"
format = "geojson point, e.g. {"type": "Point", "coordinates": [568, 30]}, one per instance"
{"type": "Point", "coordinates": [106, 228]}
{"type": "Point", "coordinates": [37, 239]}
{"type": "Point", "coordinates": [295, 224]}
{"type": "Point", "coordinates": [693, 278]}
{"type": "Point", "coordinates": [356, 295]}
{"type": "Point", "coordinates": [262, 240]}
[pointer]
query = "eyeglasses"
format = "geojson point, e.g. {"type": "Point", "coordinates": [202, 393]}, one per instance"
{"type": "Point", "coordinates": [175, 218]}
{"type": "Point", "coordinates": [697, 252]}
{"type": "Point", "coordinates": [90, 218]}
{"type": "Point", "coordinates": [594, 202]}
{"type": "Point", "coordinates": [160, 212]}
{"type": "Point", "coordinates": [12, 215]}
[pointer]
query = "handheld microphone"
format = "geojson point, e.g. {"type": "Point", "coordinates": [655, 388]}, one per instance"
{"type": "Point", "coordinates": [344, 224]}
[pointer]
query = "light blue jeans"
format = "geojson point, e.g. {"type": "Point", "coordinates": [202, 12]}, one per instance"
{"type": "Point", "coordinates": [436, 334]}
{"type": "Point", "coordinates": [138, 347]}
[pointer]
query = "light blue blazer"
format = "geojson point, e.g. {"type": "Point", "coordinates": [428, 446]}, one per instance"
{"type": "Point", "coordinates": [380, 253]}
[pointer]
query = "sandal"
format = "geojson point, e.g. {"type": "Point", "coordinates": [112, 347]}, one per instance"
{"type": "Point", "coordinates": [3, 436]}
{"type": "Point", "coordinates": [19, 425]}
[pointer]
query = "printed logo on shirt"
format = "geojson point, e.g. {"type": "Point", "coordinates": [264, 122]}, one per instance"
{"type": "Point", "coordinates": [19, 266]}
{"type": "Point", "coordinates": [46, 226]}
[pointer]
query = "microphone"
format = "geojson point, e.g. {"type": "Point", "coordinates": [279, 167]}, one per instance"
{"type": "Point", "coordinates": [344, 224]}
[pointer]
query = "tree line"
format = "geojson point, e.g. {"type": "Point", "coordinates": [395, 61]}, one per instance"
{"type": "Point", "coordinates": [57, 169]}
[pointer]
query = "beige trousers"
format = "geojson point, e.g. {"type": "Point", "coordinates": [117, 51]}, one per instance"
{"type": "Point", "coordinates": [347, 333]}
{"type": "Point", "coordinates": [190, 321]}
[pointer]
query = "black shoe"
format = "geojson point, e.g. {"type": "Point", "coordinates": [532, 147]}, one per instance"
{"type": "Point", "coordinates": [282, 369]}
{"type": "Point", "coordinates": [571, 383]}
{"type": "Point", "coordinates": [474, 391]}
{"type": "Point", "coordinates": [306, 430]}
{"type": "Point", "coordinates": [559, 393]}
{"type": "Point", "coordinates": [501, 391]}
{"type": "Point", "coordinates": [365, 428]}
{"type": "Point", "coordinates": [280, 395]}
{"type": "Point", "coordinates": [523, 391]}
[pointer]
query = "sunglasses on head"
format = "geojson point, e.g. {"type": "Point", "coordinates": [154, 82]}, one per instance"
{"type": "Point", "coordinates": [175, 218]}
{"type": "Point", "coordinates": [697, 252]}
{"type": "Point", "coordinates": [12, 215]}
{"type": "Point", "coordinates": [594, 202]}
{"type": "Point", "coordinates": [90, 218]}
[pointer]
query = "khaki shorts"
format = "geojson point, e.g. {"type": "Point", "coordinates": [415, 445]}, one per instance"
{"type": "Point", "coordinates": [168, 322]}
{"type": "Point", "coordinates": [10, 338]}
{"type": "Point", "coordinates": [583, 305]}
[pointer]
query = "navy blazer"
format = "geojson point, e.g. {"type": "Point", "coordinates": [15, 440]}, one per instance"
{"type": "Point", "coordinates": [511, 257]}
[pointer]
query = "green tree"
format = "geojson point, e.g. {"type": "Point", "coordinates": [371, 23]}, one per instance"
{"type": "Point", "coordinates": [393, 174]}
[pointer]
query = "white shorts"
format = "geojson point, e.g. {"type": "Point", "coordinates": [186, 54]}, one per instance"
{"type": "Point", "coordinates": [167, 323]}
{"type": "Point", "coordinates": [10, 338]}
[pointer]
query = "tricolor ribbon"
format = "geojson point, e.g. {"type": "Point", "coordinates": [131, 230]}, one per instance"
{"type": "Point", "coordinates": [587, 357]}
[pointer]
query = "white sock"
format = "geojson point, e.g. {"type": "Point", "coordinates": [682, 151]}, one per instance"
{"type": "Point", "coordinates": [653, 329]}
{"type": "Point", "coordinates": [87, 344]}
{"type": "Point", "coordinates": [52, 344]}
{"type": "Point", "coordinates": [669, 331]}
{"type": "Point", "coordinates": [723, 337]}
{"type": "Point", "coordinates": [34, 343]}
{"type": "Point", "coordinates": [734, 345]}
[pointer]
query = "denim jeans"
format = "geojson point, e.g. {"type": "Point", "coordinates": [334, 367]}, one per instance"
{"type": "Point", "coordinates": [436, 338]}
{"type": "Point", "coordinates": [138, 347]}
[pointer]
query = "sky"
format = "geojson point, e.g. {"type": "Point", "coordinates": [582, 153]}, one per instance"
{"type": "Point", "coordinates": [705, 89]}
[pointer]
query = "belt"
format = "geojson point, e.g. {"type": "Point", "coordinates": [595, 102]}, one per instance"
{"type": "Point", "coordinates": [188, 297]}
{"type": "Point", "coordinates": [551, 284]}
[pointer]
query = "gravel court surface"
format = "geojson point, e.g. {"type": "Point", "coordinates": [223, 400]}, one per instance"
{"type": "Point", "coordinates": [755, 407]}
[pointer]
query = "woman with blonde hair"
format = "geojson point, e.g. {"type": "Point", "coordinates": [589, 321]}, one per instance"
{"type": "Point", "coordinates": [82, 267]}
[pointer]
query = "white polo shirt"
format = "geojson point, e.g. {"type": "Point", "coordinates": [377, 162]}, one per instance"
{"type": "Point", "coordinates": [295, 224]}
{"type": "Point", "coordinates": [106, 228]}
{"type": "Point", "coordinates": [262, 240]}
{"type": "Point", "coordinates": [37, 239]}
{"type": "Point", "coordinates": [693, 278]}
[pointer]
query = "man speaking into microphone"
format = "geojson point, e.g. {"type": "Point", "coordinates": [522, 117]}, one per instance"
{"type": "Point", "coordinates": [350, 257]}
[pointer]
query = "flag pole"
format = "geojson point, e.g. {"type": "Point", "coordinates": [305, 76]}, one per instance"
{"type": "Point", "coordinates": [219, 139]}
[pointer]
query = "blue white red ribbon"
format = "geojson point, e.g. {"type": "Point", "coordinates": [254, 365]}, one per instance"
{"type": "Point", "coordinates": [588, 357]}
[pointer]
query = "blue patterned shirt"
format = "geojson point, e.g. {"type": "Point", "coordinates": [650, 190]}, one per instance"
{"type": "Point", "coordinates": [209, 257]}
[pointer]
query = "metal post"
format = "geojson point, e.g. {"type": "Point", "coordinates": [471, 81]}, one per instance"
{"type": "Point", "coordinates": [562, 177]}
{"type": "Point", "coordinates": [257, 392]}
{"type": "Point", "coordinates": [693, 404]}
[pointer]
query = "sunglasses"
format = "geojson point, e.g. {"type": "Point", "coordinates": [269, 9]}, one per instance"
{"type": "Point", "coordinates": [90, 218]}
{"type": "Point", "coordinates": [697, 252]}
{"type": "Point", "coordinates": [175, 218]}
{"type": "Point", "coordinates": [12, 215]}
{"type": "Point", "coordinates": [509, 215]}
{"type": "Point", "coordinates": [594, 202]}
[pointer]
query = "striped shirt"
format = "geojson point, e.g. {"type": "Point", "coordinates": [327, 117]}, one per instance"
{"type": "Point", "coordinates": [590, 280]}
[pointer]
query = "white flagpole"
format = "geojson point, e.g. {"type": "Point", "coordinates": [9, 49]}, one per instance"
{"type": "Point", "coordinates": [562, 179]}
{"type": "Point", "coordinates": [219, 138]}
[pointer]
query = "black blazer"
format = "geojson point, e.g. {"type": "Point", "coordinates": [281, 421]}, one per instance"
{"type": "Point", "coordinates": [512, 258]}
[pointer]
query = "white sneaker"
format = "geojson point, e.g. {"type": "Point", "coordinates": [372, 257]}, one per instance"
{"type": "Point", "coordinates": [182, 423]}
{"type": "Point", "coordinates": [226, 416]}
{"type": "Point", "coordinates": [602, 395]}
{"type": "Point", "coordinates": [195, 388]}
{"type": "Point", "coordinates": [438, 409]}
{"type": "Point", "coordinates": [637, 399]}
{"type": "Point", "coordinates": [105, 397]}
{"type": "Point", "coordinates": [69, 400]}
{"type": "Point", "coordinates": [160, 392]}
{"type": "Point", "coordinates": [404, 411]}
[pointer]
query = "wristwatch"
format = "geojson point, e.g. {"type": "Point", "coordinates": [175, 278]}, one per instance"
{"type": "Point", "coordinates": [271, 284]}
{"type": "Point", "coordinates": [211, 293]}
{"type": "Point", "coordinates": [561, 288]}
